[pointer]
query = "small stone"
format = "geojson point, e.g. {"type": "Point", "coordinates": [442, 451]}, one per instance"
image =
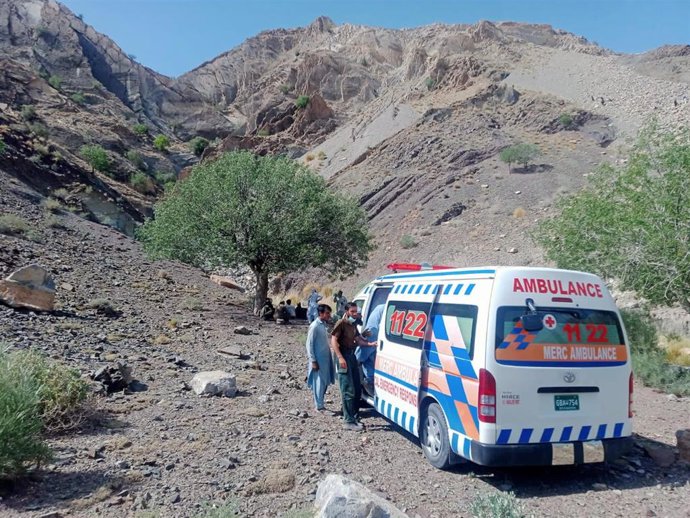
{"type": "Point", "coordinates": [66, 286]}
{"type": "Point", "coordinates": [95, 452]}
{"type": "Point", "coordinates": [512, 250]}
{"type": "Point", "coordinates": [174, 498]}
{"type": "Point", "coordinates": [598, 486]}
{"type": "Point", "coordinates": [50, 514]}
{"type": "Point", "coordinates": [518, 192]}
{"type": "Point", "coordinates": [122, 464]}
{"type": "Point", "coordinates": [485, 186]}
{"type": "Point", "coordinates": [242, 330]}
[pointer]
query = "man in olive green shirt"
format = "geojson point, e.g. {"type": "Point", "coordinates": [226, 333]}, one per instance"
{"type": "Point", "coordinates": [344, 339]}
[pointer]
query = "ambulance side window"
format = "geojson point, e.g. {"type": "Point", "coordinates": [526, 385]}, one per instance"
{"type": "Point", "coordinates": [406, 322]}
{"type": "Point", "coordinates": [455, 324]}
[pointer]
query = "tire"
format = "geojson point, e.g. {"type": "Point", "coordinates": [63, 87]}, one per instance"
{"type": "Point", "coordinates": [434, 437]}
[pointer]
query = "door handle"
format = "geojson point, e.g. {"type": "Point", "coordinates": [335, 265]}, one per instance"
{"type": "Point", "coordinates": [380, 345]}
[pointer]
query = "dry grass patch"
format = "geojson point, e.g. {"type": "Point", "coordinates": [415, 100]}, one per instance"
{"type": "Point", "coordinates": [677, 349]}
{"type": "Point", "coordinates": [519, 213]}
{"type": "Point", "coordinates": [162, 339]}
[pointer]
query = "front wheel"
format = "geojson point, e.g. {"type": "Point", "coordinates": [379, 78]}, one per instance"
{"type": "Point", "coordinates": [434, 437]}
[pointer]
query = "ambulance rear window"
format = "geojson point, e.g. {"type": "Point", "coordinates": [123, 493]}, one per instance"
{"type": "Point", "coordinates": [568, 337]}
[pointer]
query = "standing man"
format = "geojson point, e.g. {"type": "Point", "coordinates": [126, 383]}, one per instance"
{"type": "Point", "coordinates": [312, 305]}
{"type": "Point", "coordinates": [321, 371]}
{"type": "Point", "coordinates": [367, 355]}
{"type": "Point", "coordinates": [344, 339]}
{"type": "Point", "coordinates": [340, 303]}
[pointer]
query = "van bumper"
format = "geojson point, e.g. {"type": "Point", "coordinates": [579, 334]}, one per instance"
{"type": "Point", "coordinates": [550, 454]}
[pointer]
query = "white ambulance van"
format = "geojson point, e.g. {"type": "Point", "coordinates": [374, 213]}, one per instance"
{"type": "Point", "coordinates": [503, 366]}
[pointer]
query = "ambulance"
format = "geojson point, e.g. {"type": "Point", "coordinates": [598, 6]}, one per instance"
{"type": "Point", "coordinates": [502, 366]}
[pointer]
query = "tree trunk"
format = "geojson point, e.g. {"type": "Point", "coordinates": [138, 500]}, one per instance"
{"type": "Point", "coordinates": [261, 290]}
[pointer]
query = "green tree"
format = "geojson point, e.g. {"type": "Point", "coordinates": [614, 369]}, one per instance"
{"type": "Point", "coordinates": [78, 98]}
{"type": "Point", "coordinates": [55, 82]}
{"type": "Point", "coordinates": [269, 213]}
{"type": "Point", "coordinates": [197, 145]}
{"type": "Point", "coordinates": [161, 143]}
{"type": "Point", "coordinates": [566, 120]}
{"type": "Point", "coordinates": [302, 101]}
{"type": "Point", "coordinates": [632, 222]}
{"type": "Point", "coordinates": [140, 129]}
{"type": "Point", "coordinates": [96, 156]}
{"type": "Point", "coordinates": [519, 153]}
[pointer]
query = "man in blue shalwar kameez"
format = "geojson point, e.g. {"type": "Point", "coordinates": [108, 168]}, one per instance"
{"type": "Point", "coordinates": [321, 371]}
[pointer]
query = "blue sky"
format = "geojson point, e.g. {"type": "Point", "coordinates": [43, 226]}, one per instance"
{"type": "Point", "coordinates": [174, 36]}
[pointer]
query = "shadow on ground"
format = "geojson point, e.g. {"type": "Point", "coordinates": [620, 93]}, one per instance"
{"type": "Point", "coordinates": [532, 169]}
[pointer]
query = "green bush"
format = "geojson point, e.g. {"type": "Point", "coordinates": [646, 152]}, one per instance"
{"type": "Point", "coordinates": [519, 153]}
{"type": "Point", "coordinates": [161, 143]}
{"type": "Point", "coordinates": [55, 82]}
{"type": "Point", "coordinates": [566, 120]}
{"type": "Point", "coordinates": [21, 444]}
{"type": "Point", "coordinates": [140, 129]}
{"type": "Point", "coordinates": [263, 132]}
{"type": "Point", "coordinates": [496, 505]}
{"type": "Point", "coordinates": [165, 177]}
{"type": "Point", "coordinates": [142, 183]}
{"type": "Point", "coordinates": [408, 241]}
{"type": "Point", "coordinates": [302, 101]}
{"type": "Point", "coordinates": [96, 156]}
{"type": "Point", "coordinates": [39, 130]}
{"type": "Point", "coordinates": [51, 204]}
{"type": "Point", "coordinates": [632, 222]}
{"type": "Point", "coordinates": [3, 147]}
{"type": "Point", "coordinates": [78, 98]}
{"type": "Point", "coordinates": [28, 112]}
{"type": "Point", "coordinates": [197, 145]}
{"type": "Point", "coordinates": [649, 361]}
{"type": "Point", "coordinates": [429, 83]}
{"type": "Point", "coordinates": [286, 89]}
{"type": "Point", "coordinates": [12, 225]}
{"type": "Point", "coordinates": [135, 158]}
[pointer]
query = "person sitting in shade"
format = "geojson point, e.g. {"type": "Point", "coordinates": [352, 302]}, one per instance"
{"type": "Point", "coordinates": [267, 310]}
{"type": "Point", "coordinates": [300, 312]}
{"type": "Point", "coordinates": [292, 313]}
{"type": "Point", "coordinates": [282, 316]}
{"type": "Point", "coordinates": [321, 369]}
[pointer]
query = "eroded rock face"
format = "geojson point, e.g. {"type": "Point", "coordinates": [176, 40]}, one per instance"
{"type": "Point", "coordinates": [31, 287]}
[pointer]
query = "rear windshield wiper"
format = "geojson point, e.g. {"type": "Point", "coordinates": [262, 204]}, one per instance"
{"type": "Point", "coordinates": [531, 321]}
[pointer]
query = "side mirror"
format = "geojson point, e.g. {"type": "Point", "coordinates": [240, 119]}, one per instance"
{"type": "Point", "coordinates": [531, 322]}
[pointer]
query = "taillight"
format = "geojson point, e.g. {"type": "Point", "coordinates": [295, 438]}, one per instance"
{"type": "Point", "coordinates": [487, 397]}
{"type": "Point", "coordinates": [630, 395]}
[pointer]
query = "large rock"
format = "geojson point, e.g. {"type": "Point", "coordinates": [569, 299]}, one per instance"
{"type": "Point", "coordinates": [340, 497]}
{"type": "Point", "coordinates": [214, 383]}
{"type": "Point", "coordinates": [662, 455]}
{"type": "Point", "coordinates": [683, 438]}
{"type": "Point", "coordinates": [226, 282]}
{"type": "Point", "coordinates": [31, 287]}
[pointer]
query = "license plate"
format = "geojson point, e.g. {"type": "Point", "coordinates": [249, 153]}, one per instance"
{"type": "Point", "coordinates": [564, 403]}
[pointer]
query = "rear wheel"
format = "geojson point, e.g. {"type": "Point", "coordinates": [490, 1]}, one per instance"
{"type": "Point", "coordinates": [434, 437]}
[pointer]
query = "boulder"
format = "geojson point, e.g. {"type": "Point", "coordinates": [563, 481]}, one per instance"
{"type": "Point", "coordinates": [226, 282]}
{"type": "Point", "coordinates": [214, 383]}
{"type": "Point", "coordinates": [338, 496]}
{"type": "Point", "coordinates": [31, 287]}
{"type": "Point", "coordinates": [662, 455]}
{"type": "Point", "coordinates": [115, 377]}
{"type": "Point", "coordinates": [683, 438]}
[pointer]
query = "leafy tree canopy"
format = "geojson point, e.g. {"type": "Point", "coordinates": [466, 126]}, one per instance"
{"type": "Point", "coordinates": [269, 213]}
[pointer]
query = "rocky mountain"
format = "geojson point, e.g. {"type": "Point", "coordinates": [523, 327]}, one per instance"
{"type": "Point", "coordinates": [409, 121]}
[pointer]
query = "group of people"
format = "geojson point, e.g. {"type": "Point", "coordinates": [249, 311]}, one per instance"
{"type": "Point", "coordinates": [350, 348]}
{"type": "Point", "coordinates": [283, 313]}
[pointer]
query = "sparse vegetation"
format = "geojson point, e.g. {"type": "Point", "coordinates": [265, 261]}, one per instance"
{"type": "Point", "coordinates": [193, 221]}
{"type": "Point", "coordinates": [263, 132]}
{"type": "Point", "coordinates": [135, 159]}
{"type": "Point", "coordinates": [78, 98]}
{"type": "Point", "coordinates": [286, 89]}
{"type": "Point", "coordinates": [55, 82]}
{"type": "Point", "coordinates": [142, 183]}
{"type": "Point", "coordinates": [408, 241]}
{"type": "Point", "coordinates": [51, 204]}
{"type": "Point", "coordinates": [39, 130]}
{"type": "Point", "coordinates": [60, 194]}
{"type": "Point", "coordinates": [566, 120]}
{"type": "Point", "coordinates": [227, 509]}
{"type": "Point", "coordinates": [302, 101]}
{"type": "Point", "coordinates": [161, 143]}
{"type": "Point", "coordinates": [519, 153]}
{"type": "Point", "coordinates": [430, 83]}
{"type": "Point", "coordinates": [321, 155]}
{"type": "Point", "coordinates": [140, 129]}
{"type": "Point", "coordinates": [310, 157]}
{"type": "Point", "coordinates": [28, 112]}
{"type": "Point", "coordinates": [197, 145]}
{"type": "Point", "coordinates": [12, 225]}
{"type": "Point", "coordinates": [519, 212]}
{"type": "Point", "coordinates": [191, 304]}
{"type": "Point", "coordinates": [632, 222]}
{"type": "Point", "coordinates": [53, 221]}
{"type": "Point", "coordinates": [3, 147]}
{"type": "Point", "coordinates": [165, 177]}
{"type": "Point", "coordinates": [496, 505]}
{"type": "Point", "coordinates": [96, 156]}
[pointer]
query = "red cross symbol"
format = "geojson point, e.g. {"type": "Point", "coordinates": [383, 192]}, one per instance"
{"type": "Point", "coordinates": [549, 322]}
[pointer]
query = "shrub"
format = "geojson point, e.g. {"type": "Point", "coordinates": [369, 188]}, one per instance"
{"type": "Point", "coordinates": [286, 89]}
{"type": "Point", "coordinates": [21, 445]}
{"type": "Point", "coordinates": [78, 98]}
{"type": "Point", "coordinates": [310, 157]}
{"type": "Point", "coordinates": [51, 205]}
{"type": "Point", "coordinates": [429, 83]}
{"type": "Point", "coordinates": [321, 155]}
{"type": "Point", "coordinates": [408, 241]}
{"type": "Point", "coordinates": [12, 225]}
{"type": "Point", "coordinates": [566, 120]}
{"type": "Point", "coordinates": [197, 145]}
{"type": "Point", "coordinates": [142, 183]}
{"type": "Point", "coordinates": [520, 153]}
{"type": "Point", "coordinates": [191, 304]}
{"type": "Point", "coordinates": [60, 194]}
{"type": "Point", "coordinates": [302, 101]}
{"type": "Point", "coordinates": [3, 147]}
{"type": "Point", "coordinates": [161, 143]}
{"type": "Point", "coordinates": [39, 130]}
{"type": "Point", "coordinates": [263, 132]}
{"type": "Point", "coordinates": [519, 212]}
{"type": "Point", "coordinates": [165, 177]}
{"type": "Point", "coordinates": [55, 81]}
{"type": "Point", "coordinates": [631, 222]}
{"type": "Point", "coordinates": [496, 505]}
{"type": "Point", "coordinates": [140, 129]}
{"type": "Point", "coordinates": [135, 158]}
{"type": "Point", "coordinates": [28, 112]}
{"type": "Point", "coordinates": [53, 221]}
{"type": "Point", "coordinates": [96, 156]}
{"type": "Point", "coordinates": [650, 364]}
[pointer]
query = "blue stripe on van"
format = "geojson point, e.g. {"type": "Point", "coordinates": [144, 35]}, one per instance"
{"type": "Point", "coordinates": [618, 430]}
{"type": "Point", "coordinates": [446, 291]}
{"type": "Point", "coordinates": [469, 289]}
{"type": "Point", "coordinates": [427, 288]}
{"type": "Point", "coordinates": [388, 410]}
{"type": "Point", "coordinates": [404, 420]}
{"type": "Point", "coordinates": [601, 432]}
{"type": "Point", "coordinates": [396, 289]}
{"type": "Point", "coordinates": [454, 442]}
{"type": "Point", "coordinates": [466, 448]}
{"type": "Point", "coordinates": [565, 434]}
{"type": "Point", "coordinates": [419, 289]}
{"type": "Point", "coordinates": [546, 435]}
{"type": "Point", "coordinates": [411, 428]}
{"type": "Point", "coordinates": [439, 328]}
{"type": "Point", "coordinates": [584, 433]}
{"type": "Point", "coordinates": [525, 435]}
{"type": "Point", "coordinates": [395, 414]}
{"type": "Point", "coordinates": [503, 437]}
{"type": "Point", "coordinates": [458, 289]}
